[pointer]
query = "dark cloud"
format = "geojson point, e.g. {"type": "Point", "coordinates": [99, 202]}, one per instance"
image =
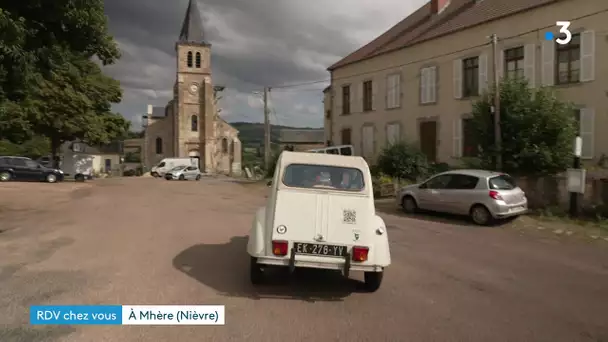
{"type": "Point", "coordinates": [255, 43]}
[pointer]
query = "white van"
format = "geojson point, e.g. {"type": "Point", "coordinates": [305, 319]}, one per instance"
{"type": "Point", "coordinates": [312, 222]}
{"type": "Point", "coordinates": [77, 165]}
{"type": "Point", "coordinates": [169, 163]}
{"type": "Point", "coordinates": [343, 150]}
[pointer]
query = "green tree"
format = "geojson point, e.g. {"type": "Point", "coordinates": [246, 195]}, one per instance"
{"type": "Point", "coordinates": [403, 161]}
{"type": "Point", "coordinates": [49, 83]}
{"type": "Point", "coordinates": [538, 130]}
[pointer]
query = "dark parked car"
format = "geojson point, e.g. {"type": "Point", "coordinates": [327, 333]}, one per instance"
{"type": "Point", "coordinates": [25, 169]}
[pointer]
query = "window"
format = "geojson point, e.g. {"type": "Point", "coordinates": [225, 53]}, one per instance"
{"type": "Point", "coordinates": [198, 59]}
{"type": "Point", "coordinates": [346, 99]}
{"type": "Point", "coordinates": [224, 145]}
{"type": "Point", "coordinates": [502, 182]}
{"type": "Point", "coordinates": [367, 96]}
{"type": "Point", "coordinates": [323, 177]}
{"type": "Point", "coordinates": [569, 61]}
{"type": "Point", "coordinates": [438, 182]}
{"type": "Point", "coordinates": [346, 151]}
{"type": "Point", "coordinates": [514, 62]}
{"type": "Point", "coordinates": [470, 147]}
{"type": "Point", "coordinates": [428, 85]}
{"type": "Point", "coordinates": [159, 145]}
{"type": "Point", "coordinates": [189, 59]}
{"type": "Point", "coordinates": [393, 91]}
{"type": "Point", "coordinates": [470, 79]}
{"type": "Point", "coordinates": [194, 123]}
{"type": "Point", "coordinates": [191, 168]}
{"type": "Point", "coordinates": [463, 182]}
{"type": "Point", "coordinates": [346, 136]}
{"type": "Point", "coordinates": [368, 142]}
{"type": "Point", "coordinates": [19, 162]}
{"type": "Point", "coordinates": [31, 164]}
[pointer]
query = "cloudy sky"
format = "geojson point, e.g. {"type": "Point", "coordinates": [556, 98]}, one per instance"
{"type": "Point", "coordinates": [256, 43]}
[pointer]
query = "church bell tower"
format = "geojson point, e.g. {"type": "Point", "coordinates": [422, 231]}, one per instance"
{"type": "Point", "coordinates": [193, 78]}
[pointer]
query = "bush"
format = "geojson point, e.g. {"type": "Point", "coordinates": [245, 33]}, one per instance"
{"type": "Point", "coordinates": [537, 130]}
{"type": "Point", "coordinates": [269, 173]}
{"type": "Point", "coordinates": [403, 161]}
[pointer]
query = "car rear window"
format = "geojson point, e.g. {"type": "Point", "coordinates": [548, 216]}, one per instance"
{"type": "Point", "coordinates": [502, 182]}
{"type": "Point", "coordinates": [323, 176]}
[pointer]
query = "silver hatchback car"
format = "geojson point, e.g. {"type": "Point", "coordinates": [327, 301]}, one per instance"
{"type": "Point", "coordinates": [483, 195]}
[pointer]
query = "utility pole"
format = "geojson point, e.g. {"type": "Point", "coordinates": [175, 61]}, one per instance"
{"type": "Point", "coordinates": [497, 133]}
{"type": "Point", "coordinates": [266, 130]}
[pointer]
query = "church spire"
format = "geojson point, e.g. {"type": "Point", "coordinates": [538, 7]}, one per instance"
{"type": "Point", "coordinates": [192, 28]}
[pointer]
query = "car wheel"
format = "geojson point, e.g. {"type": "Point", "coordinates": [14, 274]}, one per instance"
{"type": "Point", "coordinates": [198, 177]}
{"type": "Point", "coordinates": [79, 178]}
{"type": "Point", "coordinates": [373, 280]}
{"type": "Point", "coordinates": [181, 177]}
{"type": "Point", "coordinates": [481, 215]}
{"type": "Point", "coordinates": [154, 174]}
{"type": "Point", "coordinates": [255, 272]}
{"type": "Point", "coordinates": [5, 176]}
{"type": "Point", "coordinates": [409, 205]}
{"type": "Point", "coordinates": [51, 178]}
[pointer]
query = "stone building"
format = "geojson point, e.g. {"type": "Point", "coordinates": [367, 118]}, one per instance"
{"type": "Point", "coordinates": [190, 125]}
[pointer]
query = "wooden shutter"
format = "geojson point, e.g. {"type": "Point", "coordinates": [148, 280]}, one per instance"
{"type": "Point", "coordinates": [587, 56]}
{"type": "Point", "coordinates": [423, 85]}
{"type": "Point", "coordinates": [587, 128]}
{"type": "Point", "coordinates": [529, 63]}
{"type": "Point", "coordinates": [432, 84]}
{"type": "Point", "coordinates": [457, 79]}
{"type": "Point", "coordinates": [548, 63]}
{"type": "Point", "coordinates": [457, 136]}
{"type": "Point", "coordinates": [483, 73]}
{"type": "Point", "coordinates": [375, 87]}
{"type": "Point", "coordinates": [501, 64]}
{"type": "Point", "coordinates": [337, 93]}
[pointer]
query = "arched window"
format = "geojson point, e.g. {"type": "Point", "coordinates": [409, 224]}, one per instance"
{"type": "Point", "coordinates": [224, 145]}
{"type": "Point", "coordinates": [194, 123]}
{"type": "Point", "coordinates": [189, 59]}
{"type": "Point", "coordinates": [198, 59]}
{"type": "Point", "coordinates": [159, 145]}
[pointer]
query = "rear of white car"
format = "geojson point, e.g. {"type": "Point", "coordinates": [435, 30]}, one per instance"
{"type": "Point", "coordinates": [314, 222]}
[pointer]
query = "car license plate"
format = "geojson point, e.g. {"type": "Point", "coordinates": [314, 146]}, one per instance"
{"type": "Point", "coordinates": [319, 249]}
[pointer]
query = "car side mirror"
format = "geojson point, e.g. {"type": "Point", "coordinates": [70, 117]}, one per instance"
{"type": "Point", "coordinates": [269, 184]}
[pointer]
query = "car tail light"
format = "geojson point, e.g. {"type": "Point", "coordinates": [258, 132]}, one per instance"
{"type": "Point", "coordinates": [495, 195]}
{"type": "Point", "coordinates": [279, 248]}
{"type": "Point", "coordinates": [360, 253]}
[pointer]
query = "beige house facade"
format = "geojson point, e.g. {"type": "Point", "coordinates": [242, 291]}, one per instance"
{"type": "Point", "coordinates": [190, 125]}
{"type": "Point", "coordinates": [417, 81]}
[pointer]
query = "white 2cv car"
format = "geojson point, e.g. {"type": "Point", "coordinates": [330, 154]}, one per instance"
{"type": "Point", "coordinates": [320, 214]}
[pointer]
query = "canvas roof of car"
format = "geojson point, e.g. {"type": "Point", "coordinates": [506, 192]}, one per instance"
{"type": "Point", "coordinates": [288, 157]}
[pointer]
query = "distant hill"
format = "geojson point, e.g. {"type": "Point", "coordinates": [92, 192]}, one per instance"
{"type": "Point", "coordinates": [252, 134]}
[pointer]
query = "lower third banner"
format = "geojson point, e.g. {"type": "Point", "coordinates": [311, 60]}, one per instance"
{"type": "Point", "coordinates": [127, 315]}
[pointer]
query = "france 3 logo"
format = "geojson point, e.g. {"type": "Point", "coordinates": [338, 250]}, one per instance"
{"type": "Point", "coordinates": [564, 36]}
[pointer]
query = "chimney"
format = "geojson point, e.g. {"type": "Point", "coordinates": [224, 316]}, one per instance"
{"type": "Point", "coordinates": [438, 6]}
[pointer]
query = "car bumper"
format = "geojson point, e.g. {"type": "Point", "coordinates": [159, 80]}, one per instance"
{"type": "Point", "coordinates": [504, 210]}
{"type": "Point", "coordinates": [170, 176]}
{"type": "Point", "coordinates": [333, 264]}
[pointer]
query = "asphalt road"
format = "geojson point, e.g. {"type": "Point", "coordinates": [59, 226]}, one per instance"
{"type": "Point", "coordinates": [147, 241]}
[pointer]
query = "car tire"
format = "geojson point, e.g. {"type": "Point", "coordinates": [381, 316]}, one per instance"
{"type": "Point", "coordinates": [50, 178]}
{"type": "Point", "coordinates": [198, 177]}
{"type": "Point", "coordinates": [5, 176]}
{"type": "Point", "coordinates": [373, 280]}
{"type": "Point", "coordinates": [255, 272]}
{"type": "Point", "coordinates": [181, 177]}
{"type": "Point", "coordinates": [409, 205]}
{"type": "Point", "coordinates": [79, 178]}
{"type": "Point", "coordinates": [480, 215]}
